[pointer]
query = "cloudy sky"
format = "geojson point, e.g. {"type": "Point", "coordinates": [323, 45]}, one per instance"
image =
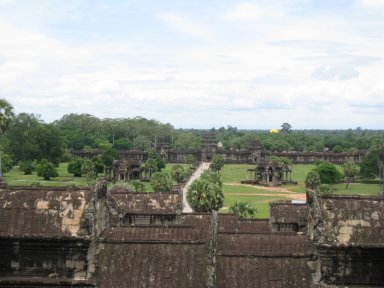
{"type": "Point", "coordinates": [200, 63]}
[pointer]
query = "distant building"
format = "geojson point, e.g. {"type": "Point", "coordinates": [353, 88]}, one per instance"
{"type": "Point", "coordinates": [270, 173]}
{"type": "Point", "coordinates": [211, 146]}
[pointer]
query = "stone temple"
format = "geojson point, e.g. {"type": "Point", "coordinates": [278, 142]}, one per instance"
{"type": "Point", "coordinates": [71, 237]}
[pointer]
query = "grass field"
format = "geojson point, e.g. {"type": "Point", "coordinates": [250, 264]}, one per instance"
{"type": "Point", "coordinates": [234, 173]}
{"type": "Point", "coordinates": [16, 177]}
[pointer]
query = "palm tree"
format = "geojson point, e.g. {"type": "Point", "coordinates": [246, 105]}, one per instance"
{"type": "Point", "coordinates": [6, 115]}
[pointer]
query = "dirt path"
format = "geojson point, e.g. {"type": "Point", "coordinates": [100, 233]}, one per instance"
{"type": "Point", "coordinates": [203, 166]}
{"type": "Point", "coordinates": [273, 189]}
{"type": "Point", "coordinates": [295, 196]}
{"type": "Point", "coordinates": [281, 192]}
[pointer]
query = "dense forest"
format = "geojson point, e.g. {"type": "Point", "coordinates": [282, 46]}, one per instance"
{"type": "Point", "coordinates": [29, 138]}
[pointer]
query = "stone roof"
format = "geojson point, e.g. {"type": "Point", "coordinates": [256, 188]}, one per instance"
{"type": "Point", "coordinates": [176, 255]}
{"type": "Point", "coordinates": [158, 234]}
{"type": "Point", "coordinates": [273, 245]}
{"type": "Point", "coordinates": [349, 221]}
{"type": "Point", "coordinates": [251, 272]}
{"type": "Point", "coordinates": [261, 258]}
{"type": "Point", "coordinates": [167, 265]}
{"type": "Point", "coordinates": [145, 203]}
{"type": "Point", "coordinates": [42, 212]}
{"type": "Point", "coordinates": [229, 223]}
{"type": "Point", "coordinates": [287, 212]}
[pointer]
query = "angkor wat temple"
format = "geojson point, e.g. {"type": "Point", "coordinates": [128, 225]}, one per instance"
{"type": "Point", "coordinates": [127, 167]}
{"type": "Point", "coordinates": [210, 148]}
{"type": "Point", "coordinates": [71, 237]}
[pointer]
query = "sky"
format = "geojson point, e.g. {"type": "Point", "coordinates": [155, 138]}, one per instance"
{"type": "Point", "coordinates": [197, 64]}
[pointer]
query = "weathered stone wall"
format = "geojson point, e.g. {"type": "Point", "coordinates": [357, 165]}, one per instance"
{"type": "Point", "coordinates": [240, 156]}
{"type": "Point", "coordinates": [347, 234]}
{"type": "Point", "coordinates": [44, 258]}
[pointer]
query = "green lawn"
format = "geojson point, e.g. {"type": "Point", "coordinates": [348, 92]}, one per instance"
{"type": "Point", "coordinates": [261, 203]}
{"type": "Point", "coordinates": [234, 173]}
{"type": "Point", "coordinates": [16, 177]}
{"type": "Point", "coordinates": [168, 166]}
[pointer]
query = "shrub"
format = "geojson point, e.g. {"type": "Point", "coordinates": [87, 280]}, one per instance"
{"type": "Point", "coordinates": [74, 167]}
{"type": "Point", "coordinates": [162, 182]}
{"type": "Point", "coordinates": [27, 167]}
{"type": "Point", "coordinates": [328, 173]}
{"type": "Point", "coordinates": [243, 209]}
{"type": "Point", "coordinates": [178, 173]}
{"type": "Point", "coordinates": [46, 169]}
{"type": "Point", "coordinates": [312, 181]}
{"type": "Point", "coordinates": [137, 186]}
{"type": "Point", "coordinates": [326, 189]}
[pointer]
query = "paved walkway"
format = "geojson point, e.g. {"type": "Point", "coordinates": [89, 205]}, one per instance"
{"type": "Point", "coordinates": [203, 166]}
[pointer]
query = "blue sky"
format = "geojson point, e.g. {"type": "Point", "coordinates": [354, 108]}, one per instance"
{"type": "Point", "coordinates": [201, 64]}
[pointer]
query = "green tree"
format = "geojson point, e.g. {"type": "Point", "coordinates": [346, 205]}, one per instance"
{"type": "Point", "coordinates": [79, 130]}
{"type": "Point", "coordinates": [46, 169]}
{"type": "Point", "coordinates": [6, 116]}
{"type": "Point", "coordinates": [187, 141]}
{"type": "Point", "coordinates": [243, 209]}
{"type": "Point", "coordinates": [369, 167]}
{"type": "Point", "coordinates": [337, 149]}
{"type": "Point", "coordinates": [217, 163]}
{"type": "Point", "coordinates": [350, 172]}
{"type": "Point", "coordinates": [178, 173]}
{"type": "Point", "coordinates": [205, 196]}
{"type": "Point", "coordinates": [162, 182]}
{"type": "Point", "coordinates": [326, 189]}
{"type": "Point", "coordinates": [99, 166]}
{"type": "Point", "coordinates": [280, 145]}
{"type": "Point", "coordinates": [328, 173]}
{"type": "Point", "coordinates": [6, 163]}
{"type": "Point", "coordinates": [66, 157]}
{"type": "Point", "coordinates": [89, 169]}
{"type": "Point", "coordinates": [190, 160]}
{"type": "Point", "coordinates": [104, 145]}
{"type": "Point", "coordinates": [155, 161]}
{"type": "Point", "coordinates": [283, 160]}
{"type": "Point", "coordinates": [378, 149]}
{"type": "Point", "coordinates": [27, 167]}
{"type": "Point", "coordinates": [286, 127]}
{"type": "Point", "coordinates": [49, 143]}
{"type": "Point", "coordinates": [142, 142]}
{"type": "Point", "coordinates": [137, 186]}
{"type": "Point", "coordinates": [123, 144]}
{"type": "Point", "coordinates": [74, 167]}
{"type": "Point", "coordinates": [212, 177]}
{"type": "Point", "coordinates": [312, 181]}
{"type": "Point", "coordinates": [108, 156]}
{"type": "Point", "coordinates": [33, 140]}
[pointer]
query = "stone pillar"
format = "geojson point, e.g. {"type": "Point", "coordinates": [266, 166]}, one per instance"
{"type": "Point", "coordinates": [212, 251]}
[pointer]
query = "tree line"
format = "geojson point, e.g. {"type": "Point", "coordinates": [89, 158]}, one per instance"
{"type": "Point", "coordinates": [28, 138]}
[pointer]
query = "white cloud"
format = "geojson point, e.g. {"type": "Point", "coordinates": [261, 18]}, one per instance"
{"type": "Point", "coordinates": [187, 26]}
{"type": "Point", "coordinates": [335, 73]}
{"type": "Point", "coordinates": [249, 12]}
{"type": "Point", "coordinates": [274, 71]}
{"type": "Point", "coordinates": [371, 3]}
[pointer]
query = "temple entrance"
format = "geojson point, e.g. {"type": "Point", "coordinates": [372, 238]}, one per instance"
{"type": "Point", "coordinates": [136, 174]}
